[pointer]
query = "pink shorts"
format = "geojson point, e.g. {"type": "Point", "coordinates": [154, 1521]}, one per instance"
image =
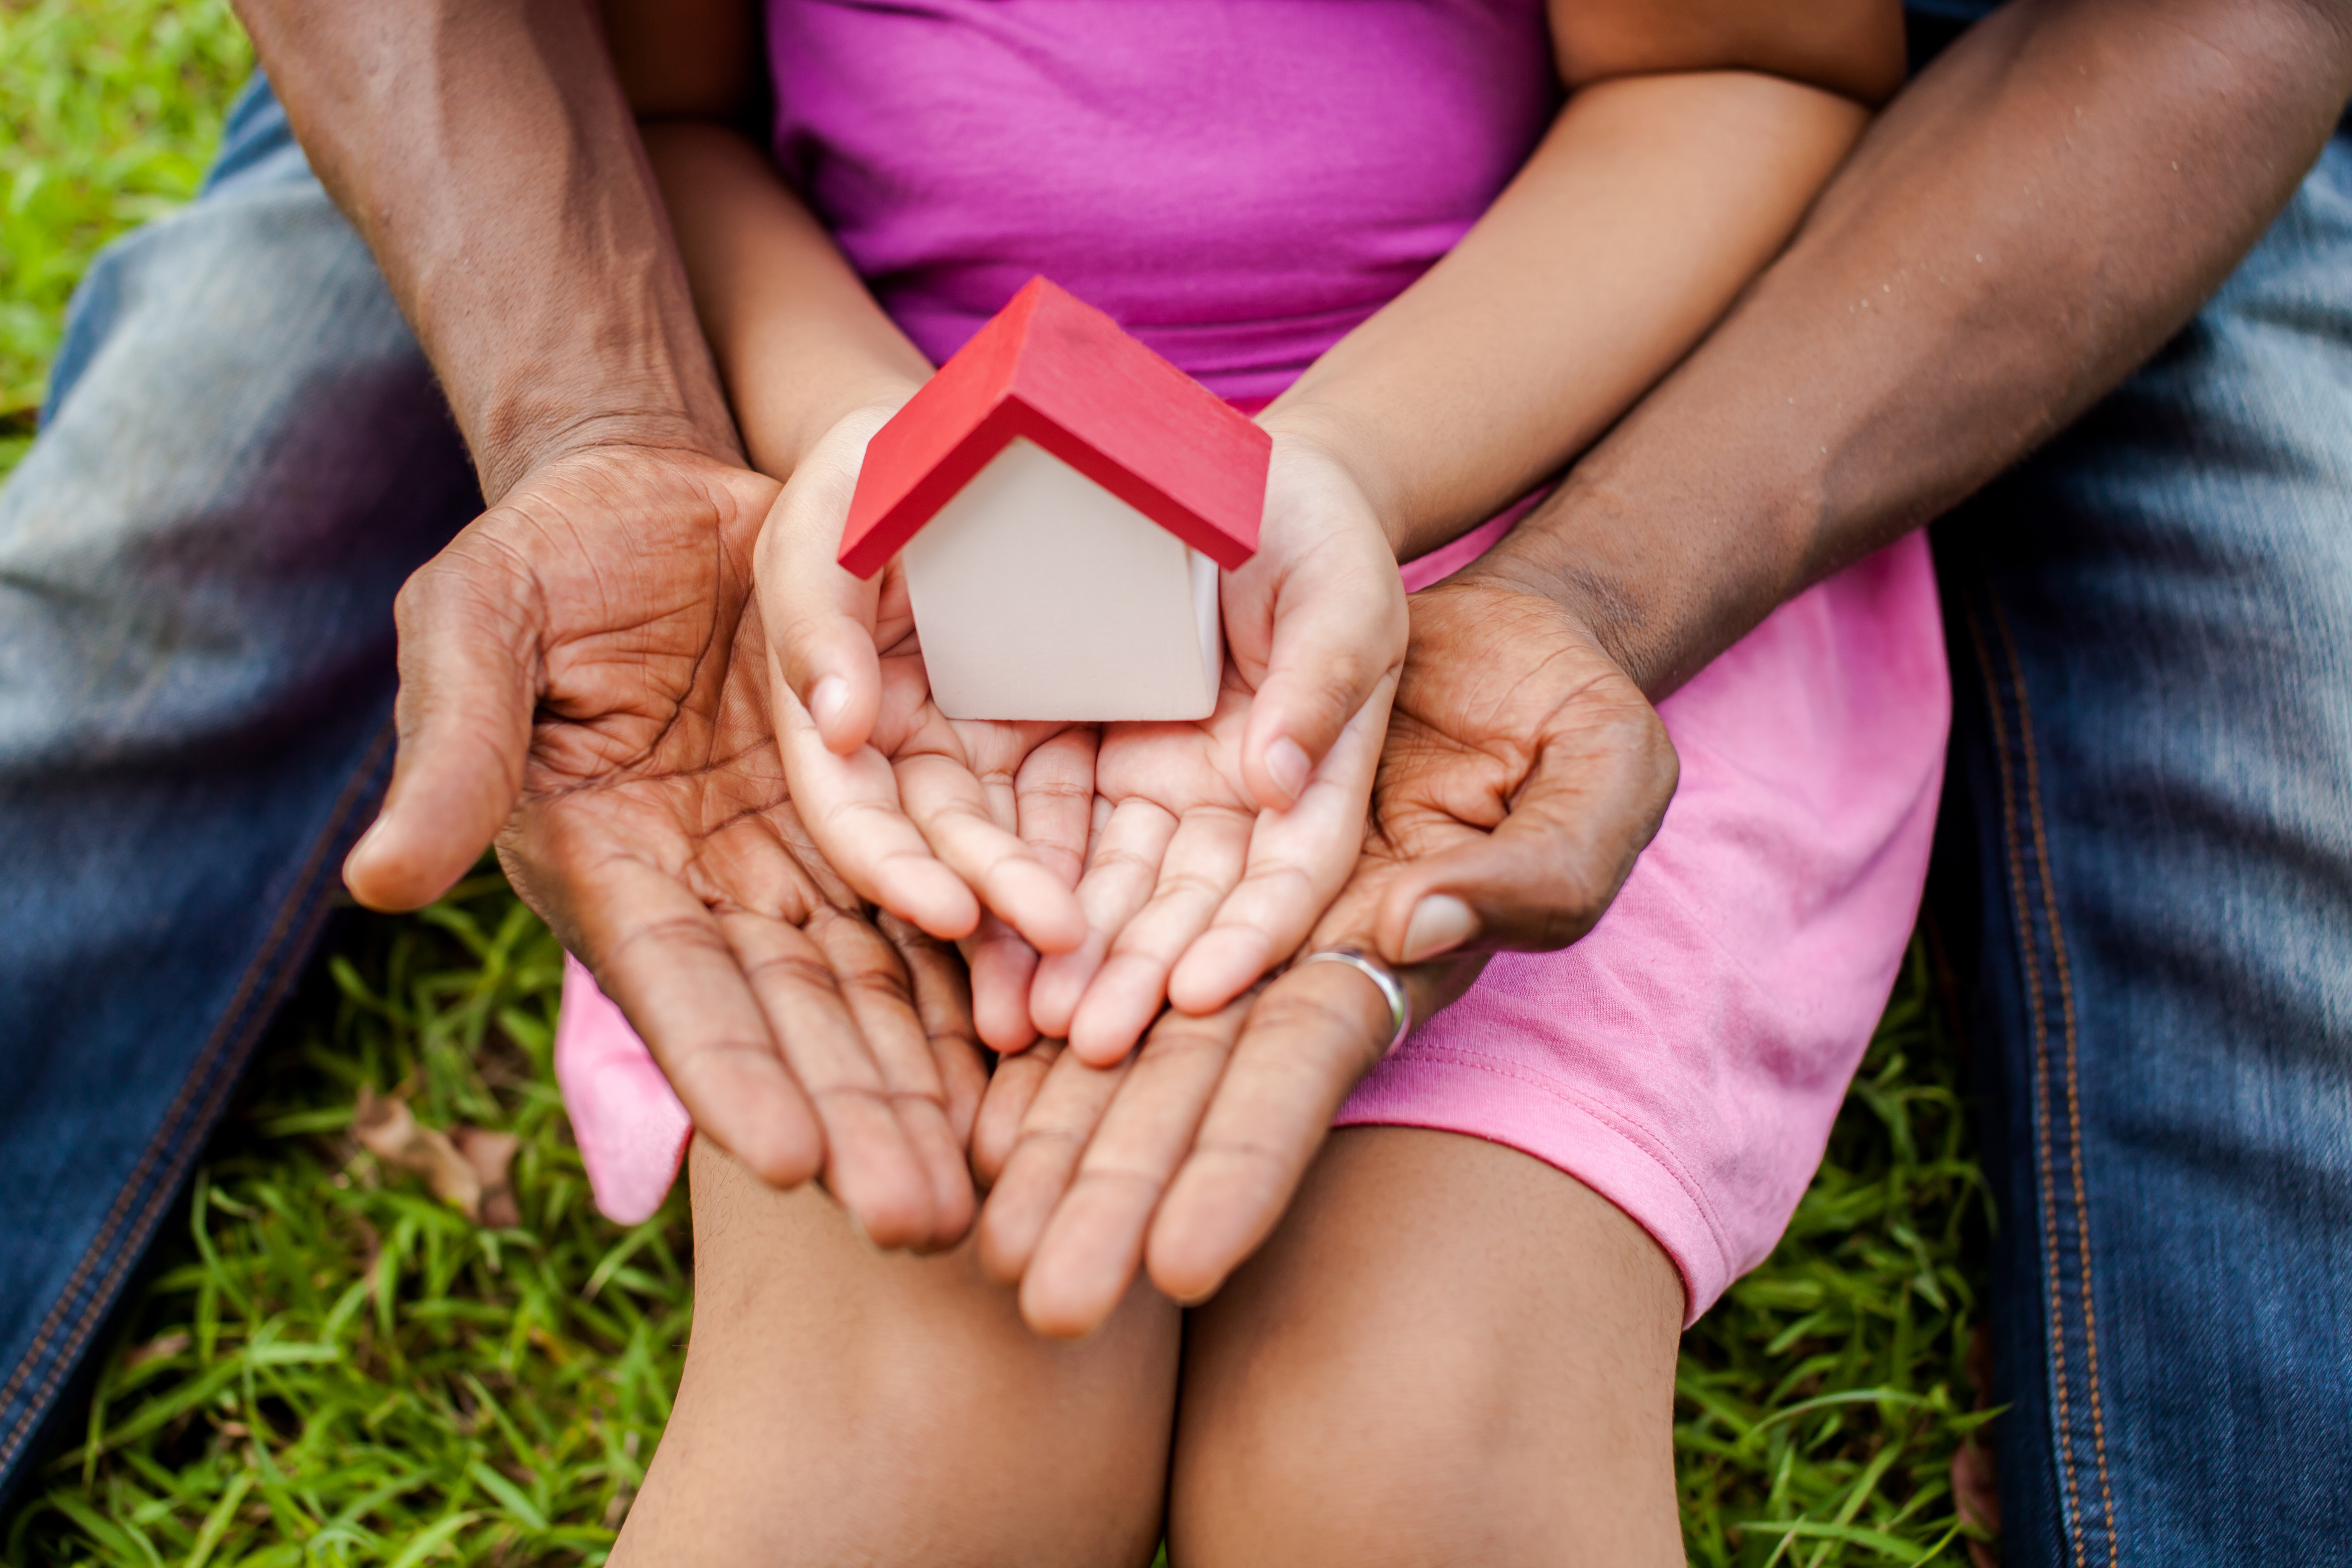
{"type": "Point", "coordinates": [1686, 1058]}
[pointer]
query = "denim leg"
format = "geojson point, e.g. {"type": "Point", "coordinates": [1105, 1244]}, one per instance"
{"type": "Point", "coordinates": [244, 458]}
{"type": "Point", "coordinates": [2152, 626]}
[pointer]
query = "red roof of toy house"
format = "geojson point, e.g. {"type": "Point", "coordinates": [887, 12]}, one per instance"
{"type": "Point", "coordinates": [1057, 370]}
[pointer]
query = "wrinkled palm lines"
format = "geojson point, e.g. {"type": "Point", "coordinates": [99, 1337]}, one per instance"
{"type": "Point", "coordinates": [326, 1365]}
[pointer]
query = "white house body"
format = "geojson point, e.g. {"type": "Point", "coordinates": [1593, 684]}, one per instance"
{"type": "Point", "coordinates": [1037, 594]}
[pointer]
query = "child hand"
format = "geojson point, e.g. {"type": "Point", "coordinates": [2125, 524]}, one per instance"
{"type": "Point", "coordinates": [1226, 839]}
{"type": "Point", "coordinates": [918, 812]}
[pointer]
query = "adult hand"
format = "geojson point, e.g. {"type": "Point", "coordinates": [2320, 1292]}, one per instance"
{"type": "Point", "coordinates": [584, 675]}
{"type": "Point", "coordinates": [1522, 775]}
{"type": "Point", "coordinates": [1224, 839]}
{"type": "Point", "coordinates": [918, 812]}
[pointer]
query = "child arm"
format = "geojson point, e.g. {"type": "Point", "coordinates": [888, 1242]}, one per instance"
{"type": "Point", "coordinates": [800, 341]}
{"type": "Point", "coordinates": [770, 287]}
{"type": "Point", "coordinates": [1694, 137]}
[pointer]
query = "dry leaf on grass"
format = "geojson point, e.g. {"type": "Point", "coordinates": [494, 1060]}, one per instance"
{"type": "Point", "coordinates": [468, 1170]}
{"type": "Point", "coordinates": [492, 1157]}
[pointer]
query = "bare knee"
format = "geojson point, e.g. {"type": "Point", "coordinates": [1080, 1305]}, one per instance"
{"type": "Point", "coordinates": [843, 1405]}
{"type": "Point", "coordinates": [1448, 1354]}
{"type": "Point", "coordinates": [1392, 1465]}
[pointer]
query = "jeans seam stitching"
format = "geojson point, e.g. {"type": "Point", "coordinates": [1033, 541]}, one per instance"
{"type": "Point", "coordinates": [2037, 1029]}
{"type": "Point", "coordinates": [229, 1042]}
{"type": "Point", "coordinates": [2073, 1092]}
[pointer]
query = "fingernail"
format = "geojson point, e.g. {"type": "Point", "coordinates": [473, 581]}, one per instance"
{"type": "Point", "coordinates": [1286, 760]}
{"type": "Point", "coordinates": [1441, 922]}
{"type": "Point", "coordinates": [825, 703]}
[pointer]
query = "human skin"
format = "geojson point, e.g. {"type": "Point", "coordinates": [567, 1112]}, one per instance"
{"type": "Point", "coordinates": [582, 670]}
{"type": "Point", "coordinates": [1681, 163]}
{"type": "Point", "coordinates": [1446, 1349]}
{"type": "Point", "coordinates": [2020, 229]}
{"type": "Point", "coordinates": [1735, 500]}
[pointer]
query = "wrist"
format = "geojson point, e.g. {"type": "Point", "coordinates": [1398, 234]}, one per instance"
{"type": "Point", "coordinates": [866, 400]}
{"type": "Point", "coordinates": [1342, 442]}
{"type": "Point", "coordinates": [587, 368]}
{"type": "Point", "coordinates": [1659, 601]}
{"type": "Point", "coordinates": [521, 442]}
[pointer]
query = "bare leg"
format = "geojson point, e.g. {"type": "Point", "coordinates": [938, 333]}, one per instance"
{"type": "Point", "coordinates": [1449, 1353]}
{"type": "Point", "coordinates": [845, 1406]}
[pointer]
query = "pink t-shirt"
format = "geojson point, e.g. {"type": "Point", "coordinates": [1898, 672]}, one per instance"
{"type": "Point", "coordinates": [1239, 183]}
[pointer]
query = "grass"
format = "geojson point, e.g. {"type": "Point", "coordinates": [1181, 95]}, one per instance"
{"type": "Point", "coordinates": [108, 111]}
{"type": "Point", "coordinates": [324, 1365]}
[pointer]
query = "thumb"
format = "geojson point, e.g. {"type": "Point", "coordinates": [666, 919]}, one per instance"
{"type": "Point", "coordinates": [1548, 871]}
{"type": "Point", "coordinates": [468, 679]}
{"type": "Point", "coordinates": [1335, 639]}
{"type": "Point", "coordinates": [821, 614]}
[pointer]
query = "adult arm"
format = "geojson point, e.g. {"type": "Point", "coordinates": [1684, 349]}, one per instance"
{"type": "Point", "coordinates": [2029, 221]}
{"type": "Point", "coordinates": [2019, 229]}
{"type": "Point", "coordinates": [486, 151]}
{"type": "Point", "coordinates": [2018, 232]}
{"type": "Point", "coordinates": [574, 669]}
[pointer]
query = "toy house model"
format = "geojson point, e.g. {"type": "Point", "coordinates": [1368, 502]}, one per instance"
{"type": "Point", "coordinates": [1063, 497]}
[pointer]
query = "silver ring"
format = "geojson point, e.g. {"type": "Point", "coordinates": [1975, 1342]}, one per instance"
{"type": "Point", "coordinates": [1373, 970]}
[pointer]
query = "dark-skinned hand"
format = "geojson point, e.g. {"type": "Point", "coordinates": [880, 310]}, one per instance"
{"type": "Point", "coordinates": [584, 677]}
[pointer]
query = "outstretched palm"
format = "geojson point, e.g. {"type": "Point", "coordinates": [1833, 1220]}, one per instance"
{"type": "Point", "coordinates": [1193, 888]}
{"type": "Point", "coordinates": [1192, 892]}
{"type": "Point", "coordinates": [1004, 807]}
{"type": "Point", "coordinates": [1522, 774]}
{"type": "Point", "coordinates": [921, 813]}
{"type": "Point", "coordinates": [583, 670]}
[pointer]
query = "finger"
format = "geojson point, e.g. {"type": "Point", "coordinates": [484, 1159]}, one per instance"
{"type": "Point", "coordinates": [1312, 1035]}
{"type": "Point", "coordinates": [1122, 871]}
{"type": "Point", "coordinates": [1550, 868]}
{"type": "Point", "coordinates": [469, 654]}
{"type": "Point", "coordinates": [949, 804]}
{"type": "Point", "coordinates": [871, 1168]}
{"type": "Point", "coordinates": [661, 955]}
{"type": "Point", "coordinates": [1093, 1244]}
{"type": "Point", "coordinates": [1044, 1158]}
{"type": "Point", "coordinates": [1011, 1091]}
{"type": "Point", "coordinates": [1001, 966]}
{"type": "Point", "coordinates": [1298, 860]}
{"type": "Point", "coordinates": [1204, 860]}
{"type": "Point", "coordinates": [850, 807]}
{"type": "Point", "coordinates": [943, 1002]}
{"type": "Point", "coordinates": [882, 1007]}
{"type": "Point", "coordinates": [822, 616]}
{"type": "Point", "coordinates": [1337, 636]}
{"type": "Point", "coordinates": [1054, 796]}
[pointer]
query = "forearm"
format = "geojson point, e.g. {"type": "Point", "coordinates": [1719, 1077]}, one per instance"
{"type": "Point", "coordinates": [799, 339]}
{"type": "Point", "coordinates": [1649, 204]}
{"type": "Point", "coordinates": [484, 151]}
{"type": "Point", "coordinates": [2022, 228]}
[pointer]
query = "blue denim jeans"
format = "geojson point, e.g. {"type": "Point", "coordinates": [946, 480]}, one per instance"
{"type": "Point", "coordinates": [2152, 798]}
{"type": "Point", "coordinates": [2153, 772]}
{"type": "Point", "coordinates": [243, 457]}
